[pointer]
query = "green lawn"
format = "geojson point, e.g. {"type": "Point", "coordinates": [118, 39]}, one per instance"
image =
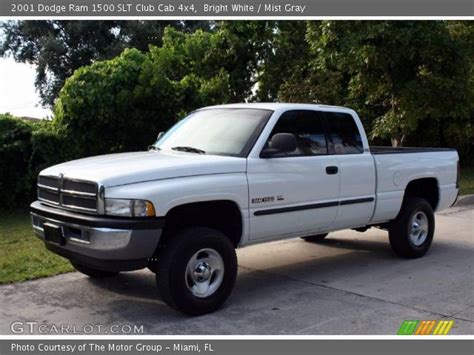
{"type": "Point", "coordinates": [467, 180]}
{"type": "Point", "coordinates": [22, 255]}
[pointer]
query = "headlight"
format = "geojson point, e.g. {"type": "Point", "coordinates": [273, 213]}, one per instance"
{"type": "Point", "coordinates": [129, 208]}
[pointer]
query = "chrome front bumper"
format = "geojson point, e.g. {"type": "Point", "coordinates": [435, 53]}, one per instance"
{"type": "Point", "coordinates": [106, 243]}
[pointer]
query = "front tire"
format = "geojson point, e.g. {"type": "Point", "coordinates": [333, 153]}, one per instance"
{"type": "Point", "coordinates": [196, 270]}
{"type": "Point", "coordinates": [91, 272]}
{"type": "Point", "coordinates": [411, 233]}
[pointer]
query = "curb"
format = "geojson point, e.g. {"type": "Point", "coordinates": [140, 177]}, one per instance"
{"type": "Point", "coordinates": [465, 200]}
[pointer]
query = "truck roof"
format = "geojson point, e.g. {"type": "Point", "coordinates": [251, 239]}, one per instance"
{"type": "Point", "coordinates": [277, 105]}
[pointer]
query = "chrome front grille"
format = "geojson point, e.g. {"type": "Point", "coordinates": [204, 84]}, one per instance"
{"type": "Point", "coordinates": [71, 194]}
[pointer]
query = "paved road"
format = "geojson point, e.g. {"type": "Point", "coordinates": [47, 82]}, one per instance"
{"type": "Point", "coordinates": [351, 284]}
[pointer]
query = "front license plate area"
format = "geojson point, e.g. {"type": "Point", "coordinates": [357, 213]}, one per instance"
{"type": "Point", "coordinates": [53, 234]}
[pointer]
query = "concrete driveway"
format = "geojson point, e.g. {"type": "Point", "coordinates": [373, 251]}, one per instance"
{"type": "Point", "coordinates": [350, 284]}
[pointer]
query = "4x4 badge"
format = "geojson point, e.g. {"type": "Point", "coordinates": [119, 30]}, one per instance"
{"type": "Point", "coordinates": [267, 199]}
{"type": "Point", "coordinates": [263, 199]}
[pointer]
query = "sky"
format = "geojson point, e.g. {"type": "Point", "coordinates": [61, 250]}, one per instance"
{"type": "Point", "coordinates": [17, 91]}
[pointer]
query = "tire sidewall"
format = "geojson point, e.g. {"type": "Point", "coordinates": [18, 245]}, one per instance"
{"type": "Point", "coordinates": [399, 230]}
{"type": "Point", "coordinates": [182, 296]}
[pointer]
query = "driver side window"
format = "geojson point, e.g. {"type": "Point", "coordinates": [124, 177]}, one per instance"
{"type": "Point", "coordinates": [308, 129]}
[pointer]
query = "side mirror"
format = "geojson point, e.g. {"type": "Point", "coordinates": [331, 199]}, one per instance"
{"type": "Point", "coordinates": [280, 143]}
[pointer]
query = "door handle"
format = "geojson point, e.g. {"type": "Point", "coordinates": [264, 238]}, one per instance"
{"type": "Point", "coordinates": [331, 170]}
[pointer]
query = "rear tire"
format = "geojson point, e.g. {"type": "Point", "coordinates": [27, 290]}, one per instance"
{"type": "Point", "coordinates": [315, 238]}
{"type": "Point", "coordinates": [411, 233]}
{"type": "Point", "coordinates": [196, 270]}
{"type": "Point", "coordinates": [91, 272]}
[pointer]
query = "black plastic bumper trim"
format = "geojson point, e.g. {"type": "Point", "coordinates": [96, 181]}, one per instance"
{"type": "Point", "coordinates": [100, 264]}
{"type": "Point", "coordinates": [95, 221]}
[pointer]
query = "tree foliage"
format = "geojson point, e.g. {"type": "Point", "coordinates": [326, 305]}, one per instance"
{"type": "Point", "coordinates": [283, 58]}
{"type": "Point", "coordinates": [397, 74]}
{"type": "Point", "coordinates": [25, 149]}
{"type": "Point", "coordinates": [58, 47]}
{"type": "Point", "coordinates": [407, 79]}
{"type": "Point", "coordinates": [15, 151]}
{"type": "Point", "coordinates": [122, 103]}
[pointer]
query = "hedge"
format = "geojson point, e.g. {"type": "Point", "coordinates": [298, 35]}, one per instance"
{"type": "Point", "coordinates": [25, 149]}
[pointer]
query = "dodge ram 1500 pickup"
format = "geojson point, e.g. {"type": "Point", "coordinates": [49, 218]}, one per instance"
{"type": "Point", "coordinates": [234, 175]}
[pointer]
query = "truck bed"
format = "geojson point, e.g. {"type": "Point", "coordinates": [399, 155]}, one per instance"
{"type": "Point", "coordinates": [397, 167]}
{"type": "Point", "coordinates": [401, 150]}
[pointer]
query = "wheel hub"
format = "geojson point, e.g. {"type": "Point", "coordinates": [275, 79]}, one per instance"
{"type": "Point", "coordinates": [204, 272]}
{"type": "Point", "coordinates": [419, 228]}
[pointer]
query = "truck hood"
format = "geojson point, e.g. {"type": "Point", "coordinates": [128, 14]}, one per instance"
{"type": "Point", "coordinates": [127, 168]}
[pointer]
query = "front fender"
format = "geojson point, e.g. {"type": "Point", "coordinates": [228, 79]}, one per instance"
{"type": "Point", "coordinates": [169, 193]}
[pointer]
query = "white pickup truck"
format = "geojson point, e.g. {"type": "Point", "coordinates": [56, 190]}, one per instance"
{"type": "Point", "coordinates": [229, 176]}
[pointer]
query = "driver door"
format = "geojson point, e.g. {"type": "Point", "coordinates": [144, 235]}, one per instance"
{"type": "Point", "coordinates": [297, 192]}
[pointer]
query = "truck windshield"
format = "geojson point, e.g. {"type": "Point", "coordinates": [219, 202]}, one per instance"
{"type": "Point", "coordinates": [220, 131]}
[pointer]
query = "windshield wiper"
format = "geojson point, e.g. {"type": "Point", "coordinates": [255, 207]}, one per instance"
{"type": "Point", "coordinates": [153, 147]}
{"type": "Point", "coordinates": [189, 149]}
